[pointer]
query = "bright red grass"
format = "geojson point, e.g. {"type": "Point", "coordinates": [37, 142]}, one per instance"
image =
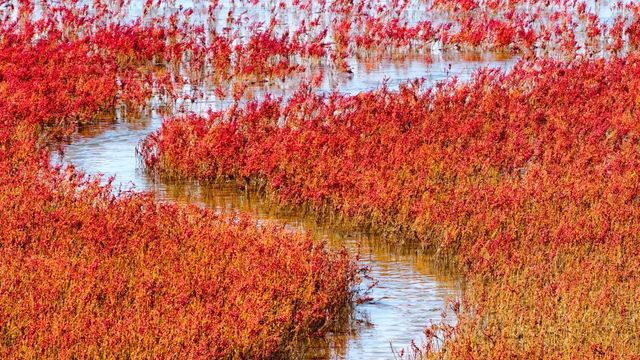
{"type": "Point", "coordinates": [88, 274]}
{"type": "Point", "coordinates": [529, 178]}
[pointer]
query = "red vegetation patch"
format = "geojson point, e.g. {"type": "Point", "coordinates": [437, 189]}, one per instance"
{"type": "Point", "coordinates": [530, 178]}
{"type": "Point", "coordinates": [88, 274]}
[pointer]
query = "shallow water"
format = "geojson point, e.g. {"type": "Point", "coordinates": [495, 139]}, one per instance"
{"type": "Point", "coordinates": [410, 292]}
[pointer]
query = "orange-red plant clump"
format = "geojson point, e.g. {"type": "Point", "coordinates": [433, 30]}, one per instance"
{"type": "Point", "coordinates": [529, 178]}
{"type": "Point", "coordinates": [85, 273]}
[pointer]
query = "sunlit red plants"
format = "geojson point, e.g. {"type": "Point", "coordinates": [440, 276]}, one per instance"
{"type": "Point", "coordinates": [528, 178]}
{"type": "Point", "coordinates": [88, 274]}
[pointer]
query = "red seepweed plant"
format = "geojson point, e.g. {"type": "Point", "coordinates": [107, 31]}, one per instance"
{"type": "Point", "coordinates": [528, 178]}
{"type": "Point", "coordinates": [86, 273]}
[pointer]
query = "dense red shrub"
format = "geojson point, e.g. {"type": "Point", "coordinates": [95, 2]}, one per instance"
{"type": "Point", "coordinates": [529, 178]}
{"type": "Point", "coordinates": [85, 273]}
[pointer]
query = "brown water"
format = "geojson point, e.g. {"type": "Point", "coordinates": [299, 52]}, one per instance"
{"type": "Point", "coordinates": [410, 292]}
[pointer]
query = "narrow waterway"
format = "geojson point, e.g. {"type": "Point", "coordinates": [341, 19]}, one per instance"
{"type": "Point", "coordinates": [410, 291]}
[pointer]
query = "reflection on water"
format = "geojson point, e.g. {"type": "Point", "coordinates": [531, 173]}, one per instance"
{"type": "Point", "coordinates": [410, 292]}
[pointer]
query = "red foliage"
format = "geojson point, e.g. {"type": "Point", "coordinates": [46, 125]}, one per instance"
{"type": "Point", "coordinates": [87, 274]}
{"type": "Point", "coordinates": [529, 178]}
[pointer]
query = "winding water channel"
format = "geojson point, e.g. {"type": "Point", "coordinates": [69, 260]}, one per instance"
{"type": "Point", "coordinates": [410, 292]}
